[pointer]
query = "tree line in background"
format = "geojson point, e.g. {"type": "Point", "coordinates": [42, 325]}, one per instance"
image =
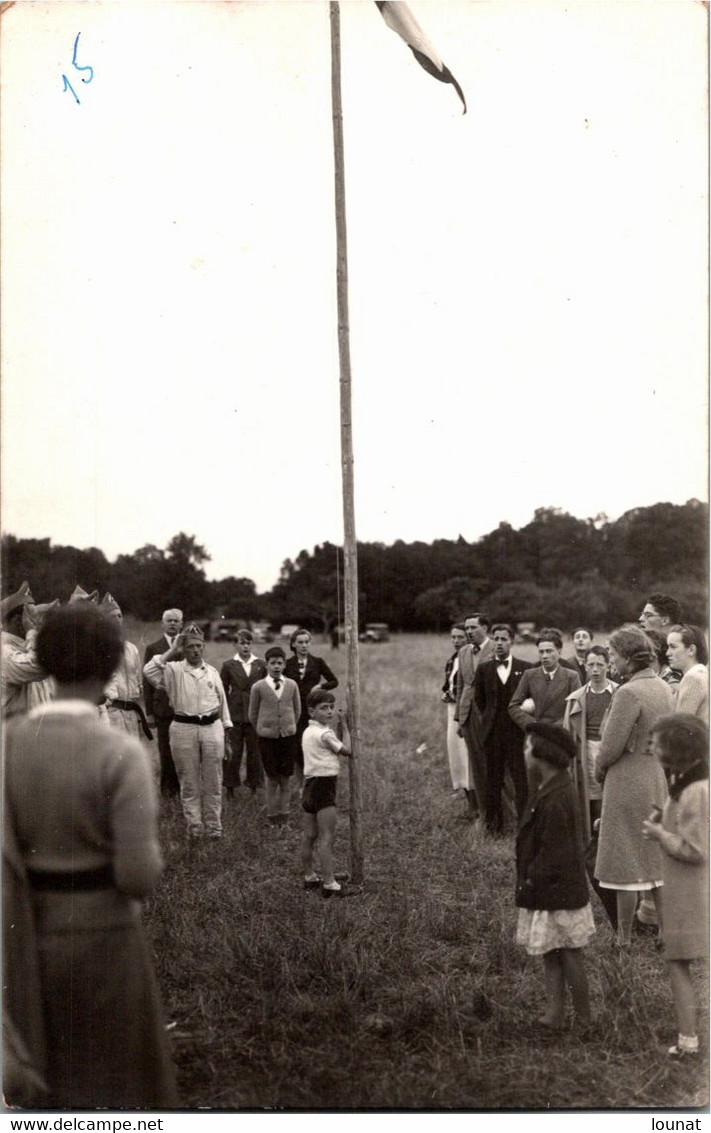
{"type": "Point", "coordinates": [556, 570]}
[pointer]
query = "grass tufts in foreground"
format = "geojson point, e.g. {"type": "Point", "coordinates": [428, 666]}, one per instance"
{"type": "Point", "coordinates": [413, 994]}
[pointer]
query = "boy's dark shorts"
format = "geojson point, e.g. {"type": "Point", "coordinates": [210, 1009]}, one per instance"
{"type": "Point", "coordinates": [278, 755]}
{"type": "Point", "coordinates": [319, 793]}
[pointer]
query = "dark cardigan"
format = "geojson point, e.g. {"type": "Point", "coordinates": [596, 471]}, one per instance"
{"type": "Point", "coordinates": [550, 871]}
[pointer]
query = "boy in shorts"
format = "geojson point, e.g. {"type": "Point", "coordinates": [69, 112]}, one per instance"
{"type": "Point", "coordinates": [274, 708]}
{"type": "Point", "coordinates": [321, 748]}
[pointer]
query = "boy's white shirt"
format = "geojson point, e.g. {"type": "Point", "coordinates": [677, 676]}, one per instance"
{"type": "Point", "coordinates": [323, 759]}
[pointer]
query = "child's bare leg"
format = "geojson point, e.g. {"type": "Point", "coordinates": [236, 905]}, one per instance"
{"type": "Point", "coordinates": [271, 791]}
{"type": "Point", "coordinates": [326, 822]}
{"type": "Point", "coordinates": [308, 839]}
{"type": "Point", "coordinates": [684, 998]}
{"type": "Point", "coordinates": [626, 906]}
{"type": "Point", "coordinates": [577, 981]}
{"type": "Point", "coordinates": [555, 989]}
{"type": "Point", "coordinates": [284, 789]}
{"type": "Point", "coordinates": [658, 896]}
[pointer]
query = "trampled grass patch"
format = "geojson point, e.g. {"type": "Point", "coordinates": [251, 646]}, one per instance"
{"type": "Point", "coordinates": [413, 994]}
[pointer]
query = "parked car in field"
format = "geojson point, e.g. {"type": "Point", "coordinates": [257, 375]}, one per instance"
{"type": "Point", "coordinates": [225, 629]}
{"type": "Point", "coordinates": [525, 632]}
{"type": "Point", "coordinates": [262, 632]}
{"type": "Point", "coordinates": [376, 631]}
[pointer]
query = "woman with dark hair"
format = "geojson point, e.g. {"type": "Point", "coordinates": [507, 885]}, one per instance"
{"type": "Point", "coordinates": [660, 664]}
{"type": "Point", "coordinates": [80, 803]}
{"type": "Point", "coordinates": [308, 672]}
{"type": "Point", "coordinates": [681, 743]}
{"type": "Point", "coordinates": [688, 652]}
{"type": "Point", "coordinates": [633, 783]}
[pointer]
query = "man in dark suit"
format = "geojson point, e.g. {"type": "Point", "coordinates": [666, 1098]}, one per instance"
{"type": "Point", "coordinates": [158, 710]}
{"type": "Point", "coordinates": [238, 676]}
{"type": "Point", "coordinates": [479, 649]}
{"type": "Point", "coordinates": [542, 691]}
{"type": "Point", "coordinates": [495, 683]}
{"type": "Point", "coordinates": [582, 641]}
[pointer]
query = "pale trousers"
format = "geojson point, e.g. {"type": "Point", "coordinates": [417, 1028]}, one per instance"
{"type": "Point", "coordinates": [198, 751]}
{"type": "Point", "coordinates": [457, 753]}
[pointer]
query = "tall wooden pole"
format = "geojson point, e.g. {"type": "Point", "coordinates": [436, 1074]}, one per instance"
{"type": "Point", "coordinates": [350, 553]}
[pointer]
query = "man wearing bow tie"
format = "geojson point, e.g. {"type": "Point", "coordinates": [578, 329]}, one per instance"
{"type": "Point", "coordinates": [158, 710]}
{"type": "Point", "coordinates": [542, 691]}
{"type": "Point", "coordinates": [494, 685]}
{"type": "Point", "coordinates": [479, 648]}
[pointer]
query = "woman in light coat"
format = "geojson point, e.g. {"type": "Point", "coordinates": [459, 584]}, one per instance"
{"type": "Point", "coordinates": [633, 781]}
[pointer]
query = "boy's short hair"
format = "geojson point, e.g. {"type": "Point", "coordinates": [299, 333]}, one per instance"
{"type": "Point", "coordinates": [598, 650]}
{"type": "Point", "coordinates": [504, 627]}
{"type": "Point", "coordinates": [274, 651]}
{"type": "Point", "coordinates": [582, 629]}
{"type": "Point", "coordinates": [665, 606]}
{"type": "Point", "coordinates": [552, 635]}
{"type": "Point", "coordinates": [244, 635]}
{"type": "Point", "coordinates": [319, 696]}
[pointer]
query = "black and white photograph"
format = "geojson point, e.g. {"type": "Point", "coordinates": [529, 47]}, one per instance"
{"type": "Point", "coordinates": [354, 568]}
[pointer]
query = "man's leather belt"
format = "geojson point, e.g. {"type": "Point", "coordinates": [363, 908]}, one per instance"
{"type": "Point", "coordinates": [132, 706]}
{"type": "Point", "coordinates": [181, 718]}
{"type": "Point", "coordinates": [101, 878]}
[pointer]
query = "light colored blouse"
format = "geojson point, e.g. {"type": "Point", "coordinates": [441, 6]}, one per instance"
{"type": "Point", "coordinates": [693, 693]}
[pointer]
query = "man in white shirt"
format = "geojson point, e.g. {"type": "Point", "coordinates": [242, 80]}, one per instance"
{"type": "Point", "coordinates": [24, 683]}
{"type": "Point", "coordinates": [201, 721]}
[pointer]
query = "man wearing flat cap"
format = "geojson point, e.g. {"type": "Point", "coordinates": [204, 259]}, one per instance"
{"type": "Point", "coordinates": [24, 683]}
{"type": "Point", "coordinates": [122, 695]}
{"type": "Point", "coordinates": [201, 720]}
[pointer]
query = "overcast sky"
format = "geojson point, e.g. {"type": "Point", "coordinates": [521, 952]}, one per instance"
{"type": "Point", "coordinates": [527, 282]}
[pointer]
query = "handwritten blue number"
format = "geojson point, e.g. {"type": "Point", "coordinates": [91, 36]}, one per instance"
{"type": "Point", "coordinates": [78, 67]}
{"type": "Point", "coordinates": [68, 86]}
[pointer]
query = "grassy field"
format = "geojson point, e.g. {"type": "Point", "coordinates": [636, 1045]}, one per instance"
{"type": "Point", "coordinates": [412, 995]}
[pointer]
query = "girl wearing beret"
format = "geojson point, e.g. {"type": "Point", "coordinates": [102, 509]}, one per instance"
{"type": "Point", "coordinates": [555, 919]}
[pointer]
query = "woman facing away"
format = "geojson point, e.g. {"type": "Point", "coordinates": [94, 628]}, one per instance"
{"type": "Point", "coordinates": [687, 651]}
{"type": "Point", "coordinates": [681, 744]}
{"type": "Point", "coordinates": [633, 782]}
{"type": "Point", "coordinates": [80, 805]}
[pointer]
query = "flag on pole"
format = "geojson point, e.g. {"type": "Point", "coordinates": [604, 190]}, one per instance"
{"type": "Point", "coordinates": [398, 16]}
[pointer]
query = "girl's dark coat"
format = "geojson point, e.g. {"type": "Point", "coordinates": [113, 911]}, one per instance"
{"type": "Point", "coordinates": [550, 871]}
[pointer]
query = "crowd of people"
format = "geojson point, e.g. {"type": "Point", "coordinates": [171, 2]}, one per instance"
{"type": "Point", "coordinates": [593, 756]}
{"type": "Point", "coordinates": [82, 1022]}
{"type": "Point", "coordinates": [600, 760]}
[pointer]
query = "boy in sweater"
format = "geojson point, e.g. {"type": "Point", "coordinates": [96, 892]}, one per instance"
{"type": "Point", "coordinates": [274, 708]}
